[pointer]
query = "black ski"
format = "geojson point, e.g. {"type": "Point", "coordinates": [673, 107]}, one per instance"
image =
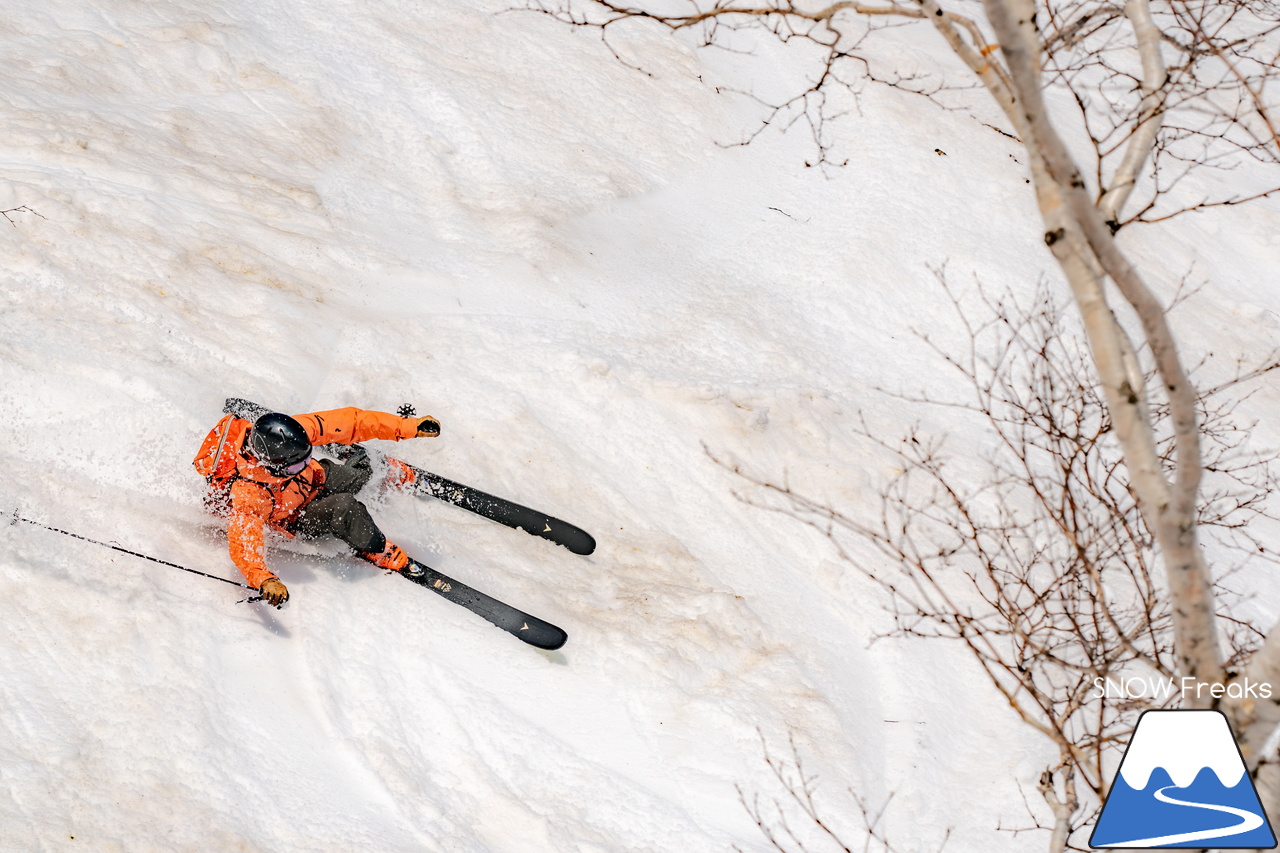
{"type": "Point", "coordinates": [504, 511]}
{"type": "Point", "coordinates": [522, 626]}
{"type": "Point", "coordinates": [494, 508]}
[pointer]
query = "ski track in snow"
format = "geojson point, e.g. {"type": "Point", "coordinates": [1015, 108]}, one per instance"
{"type": "Point", "coordinates": [319, 205]}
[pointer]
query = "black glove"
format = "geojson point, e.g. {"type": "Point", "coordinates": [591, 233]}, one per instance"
{"type": "Point", "coordinates": [429, 428]}
{"type": "Point", "coordinates": [357, 458]}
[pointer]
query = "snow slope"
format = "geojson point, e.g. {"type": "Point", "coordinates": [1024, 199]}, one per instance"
{"type": "Point", "coordinates": [316, 205]}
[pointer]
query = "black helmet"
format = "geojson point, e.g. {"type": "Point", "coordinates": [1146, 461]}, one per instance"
{"type": "Point", "coordinates": [280, 444]}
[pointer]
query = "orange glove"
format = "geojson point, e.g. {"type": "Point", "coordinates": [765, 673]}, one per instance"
{"type": "Point", "coordinates": [274, 592]}
{"type": "Point", "coordinates": [429, 428]}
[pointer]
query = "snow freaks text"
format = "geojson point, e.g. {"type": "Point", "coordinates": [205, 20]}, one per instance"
{"type": "Point", "coordinates": [1151, 687]}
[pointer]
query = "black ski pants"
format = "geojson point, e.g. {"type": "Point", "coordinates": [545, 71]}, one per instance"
{"type": "Point", "coordinates": [336, 512]}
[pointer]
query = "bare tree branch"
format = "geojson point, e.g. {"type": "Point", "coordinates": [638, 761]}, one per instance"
{"type": "Point", "coordinates": [21, 209]}
{"type": "Point", "coordinates": [1046, 570]}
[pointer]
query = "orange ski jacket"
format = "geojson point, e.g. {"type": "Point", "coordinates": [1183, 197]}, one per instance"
{"type": "Point", "coordinates": [251, 497]}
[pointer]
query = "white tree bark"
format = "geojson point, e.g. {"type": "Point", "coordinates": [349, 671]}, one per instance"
{"type": "Point", "coordinates": [1138, 149]}
{"type": "Point", "coordinates": [1080, 238]}
{"type": "Point", "coordinates": [1063, 807]}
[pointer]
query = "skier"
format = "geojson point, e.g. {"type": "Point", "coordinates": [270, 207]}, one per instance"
{"type": "Point", "coordinates": [262, 473]}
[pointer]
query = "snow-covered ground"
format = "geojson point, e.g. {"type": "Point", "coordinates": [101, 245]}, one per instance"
{"type": "Point", "coordinates": [320, 204]}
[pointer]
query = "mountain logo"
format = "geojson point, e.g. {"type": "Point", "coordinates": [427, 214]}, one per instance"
{"type": "Point", "coordinates": [1182, 782]}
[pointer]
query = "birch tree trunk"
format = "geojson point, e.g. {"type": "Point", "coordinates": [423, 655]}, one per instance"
{"type": "Point", "coordinates": [1081, 236]}
{"type": "Point", "coordinates": [1085, 248]}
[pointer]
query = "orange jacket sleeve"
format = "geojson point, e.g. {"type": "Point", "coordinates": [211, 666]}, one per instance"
{"type": "Point", "coordinates": [250, 508]}
{"type": "Point", "coordinates": [347, 426]}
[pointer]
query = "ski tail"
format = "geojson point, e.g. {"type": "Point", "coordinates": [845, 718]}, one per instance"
{"type": "Point", "coordinates": [244, 409]}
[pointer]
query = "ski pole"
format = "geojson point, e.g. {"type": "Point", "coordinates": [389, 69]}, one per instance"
{"type": "Point", "coordinates": [17, 518]}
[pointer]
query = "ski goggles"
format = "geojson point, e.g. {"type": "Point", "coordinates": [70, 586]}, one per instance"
{"type": "Point", "coordinates": [291, 470]}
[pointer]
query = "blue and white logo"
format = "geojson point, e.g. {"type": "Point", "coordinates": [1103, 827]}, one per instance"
{"type": "Point", "coordinates": [1182, 783]}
